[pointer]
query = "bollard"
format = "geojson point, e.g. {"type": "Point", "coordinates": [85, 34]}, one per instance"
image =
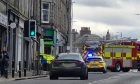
{"type": "Point", "coordinates": [24, 68]}
{"type": "Point", "coordinates": [13, 69]}
{"type": "Point", "coordinates": [37, 68]}
{"type": "Point", "coordinates": [19, 68]}
{"type": "Point", "coordinates": [6, 72]}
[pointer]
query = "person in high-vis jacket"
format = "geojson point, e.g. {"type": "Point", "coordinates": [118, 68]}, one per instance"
{"type": "Point", "coordinates": [46, 60]}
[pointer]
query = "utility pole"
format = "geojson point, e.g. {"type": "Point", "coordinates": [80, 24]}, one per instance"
{"type": "Point", "coordinates": [12, 62]}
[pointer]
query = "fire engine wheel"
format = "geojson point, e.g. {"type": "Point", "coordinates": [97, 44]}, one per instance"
{"type": "Point", "coordinates": [138, 69]}
{"type": "Point", "coordinates": [125, 69]}
{"type": "Point", "coordinates": [118, 67]}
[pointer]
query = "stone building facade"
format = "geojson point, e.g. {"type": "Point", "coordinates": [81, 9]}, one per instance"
{"type": "Point", "coordinates": [19, 48]}
{"type": "Point", "coordinates": [53, 18]}
{"type": "Point", "coordinates": [85, 30]}
{"type": "Point", "coordinates": [57, 22]}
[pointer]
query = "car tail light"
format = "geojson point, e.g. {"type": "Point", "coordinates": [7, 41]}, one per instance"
{"type": "Point", "coordinates": [78, 63]}
{"type": "Point", "coordinates": [55, 63]}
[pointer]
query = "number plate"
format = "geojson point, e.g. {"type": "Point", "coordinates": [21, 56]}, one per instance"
{"type": "Point", "coordinates": [68, 64]}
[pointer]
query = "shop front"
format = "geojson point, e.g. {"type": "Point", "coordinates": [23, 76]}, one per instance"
{"type": "Point", "coordinates": [50, 41]}
{"type": "Point", "coordinates": [3, 27]}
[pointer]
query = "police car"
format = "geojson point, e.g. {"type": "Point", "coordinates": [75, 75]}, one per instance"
{"type": "Point", "coordinates": [95, 63]}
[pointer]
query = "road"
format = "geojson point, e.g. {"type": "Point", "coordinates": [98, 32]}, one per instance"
{"type": "Point", "coordinates": [94, 78]}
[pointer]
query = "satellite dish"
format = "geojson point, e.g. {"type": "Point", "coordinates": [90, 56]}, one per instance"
{"type": "Point", "coordinates": [13, 25]}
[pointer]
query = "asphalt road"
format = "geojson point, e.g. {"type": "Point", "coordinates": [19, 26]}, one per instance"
{"type": "Point", "coordinates": [94, 78]}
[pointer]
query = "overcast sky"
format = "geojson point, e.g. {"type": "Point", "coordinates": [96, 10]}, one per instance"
{"type": "Point", "coordinates": [113, 15]}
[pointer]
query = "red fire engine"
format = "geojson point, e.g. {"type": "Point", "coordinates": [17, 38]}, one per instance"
{"type": "Point", "coordinates": [123, 56]}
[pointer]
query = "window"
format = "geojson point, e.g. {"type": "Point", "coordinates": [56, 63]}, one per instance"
{"type": "Point", "coordinates": [127, 50]}
{"type": "Point", "coordinates": [70, 56]}
{"type": "Point", "coordinates": [2, 8]}
{"type": "Point", "coordinates": [108, 49]}
{"type": "Point", "coordinates": [45, 12]}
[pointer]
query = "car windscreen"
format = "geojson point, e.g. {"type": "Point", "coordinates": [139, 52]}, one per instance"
{"type": "Point", "coordinates": [69, 56]}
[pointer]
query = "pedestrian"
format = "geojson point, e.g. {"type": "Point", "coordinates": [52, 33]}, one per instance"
{"type": "Point", "coordinates": [5, 64]}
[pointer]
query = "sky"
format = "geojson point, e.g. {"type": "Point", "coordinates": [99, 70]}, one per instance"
{"type": "Point", "coordinates": [102, 15]}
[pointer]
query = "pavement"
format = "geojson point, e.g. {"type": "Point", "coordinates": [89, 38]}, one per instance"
{"type": "Point", "coordinates": [30, 75]}
{"type": "Point", "coordinates": [94, 78]}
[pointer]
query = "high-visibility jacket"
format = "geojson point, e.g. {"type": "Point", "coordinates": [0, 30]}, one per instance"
{"type": "Point", "coordinates": [48, 58]}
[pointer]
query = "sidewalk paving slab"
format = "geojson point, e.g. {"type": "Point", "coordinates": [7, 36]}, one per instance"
{"type": "Point", "coordinates": [29, 76]}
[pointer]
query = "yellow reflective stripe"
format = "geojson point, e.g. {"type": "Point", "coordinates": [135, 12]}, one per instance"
{"type": "Point", "coordinates": [124, 58]}
{"type": "Point", "coordinates": [138, 55]}
{"type": "Point", "coordinates": [118, 54]}
{"type": "Point", "coordinates": [107, 54]}
{"type": "Point", "coordinates": [128, 54]}
{"type": "Point", "coordinates": [84, 53]}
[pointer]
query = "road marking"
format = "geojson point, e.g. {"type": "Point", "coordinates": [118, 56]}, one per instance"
{"type": "Point", "coordinates": [89, 83]}
{"type": "Point", "coordinates": [133, 70]}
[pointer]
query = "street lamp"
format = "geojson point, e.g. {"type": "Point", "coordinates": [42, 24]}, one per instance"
{"type": "Point", "coordinates": [71, 26]}
{"type": "Point", "coordinates": [12, 26]}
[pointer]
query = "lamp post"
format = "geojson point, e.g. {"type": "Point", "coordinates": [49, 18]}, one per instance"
{"type": "Point", "coordinates": [71, 35]}
{"type": "Point", "coordinates": [12, 26]}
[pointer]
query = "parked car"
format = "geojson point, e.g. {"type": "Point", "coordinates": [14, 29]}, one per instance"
{"type": "Point", "coordinates": [96, 64]}
{"type": "Point", "coordinates": [69, 65]}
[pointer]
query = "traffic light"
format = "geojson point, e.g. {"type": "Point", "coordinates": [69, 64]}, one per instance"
{"type": "Point", "coordinates": [32, 28]}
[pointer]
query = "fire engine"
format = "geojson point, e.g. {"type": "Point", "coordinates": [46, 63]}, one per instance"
{"type": "Point", "coordinates": [123, 56]}
{"type": "Point", "coordinates": [89, 51]}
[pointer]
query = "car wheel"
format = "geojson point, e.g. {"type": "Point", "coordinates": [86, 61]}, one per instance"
{"type": "Point", "coordinates": [84, 77]}
{"type": "Point", "coordinates": [138, 69]}
{"type": "Point", "coordinates": [53, 77]}
{"type": "Point", "coordinates": [104, 71]}
{"type": "Point", "coordinates": [87, 76]}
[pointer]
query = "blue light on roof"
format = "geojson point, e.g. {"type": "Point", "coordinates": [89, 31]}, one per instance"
{"type": "Point", "coordinates": [90, 55]}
